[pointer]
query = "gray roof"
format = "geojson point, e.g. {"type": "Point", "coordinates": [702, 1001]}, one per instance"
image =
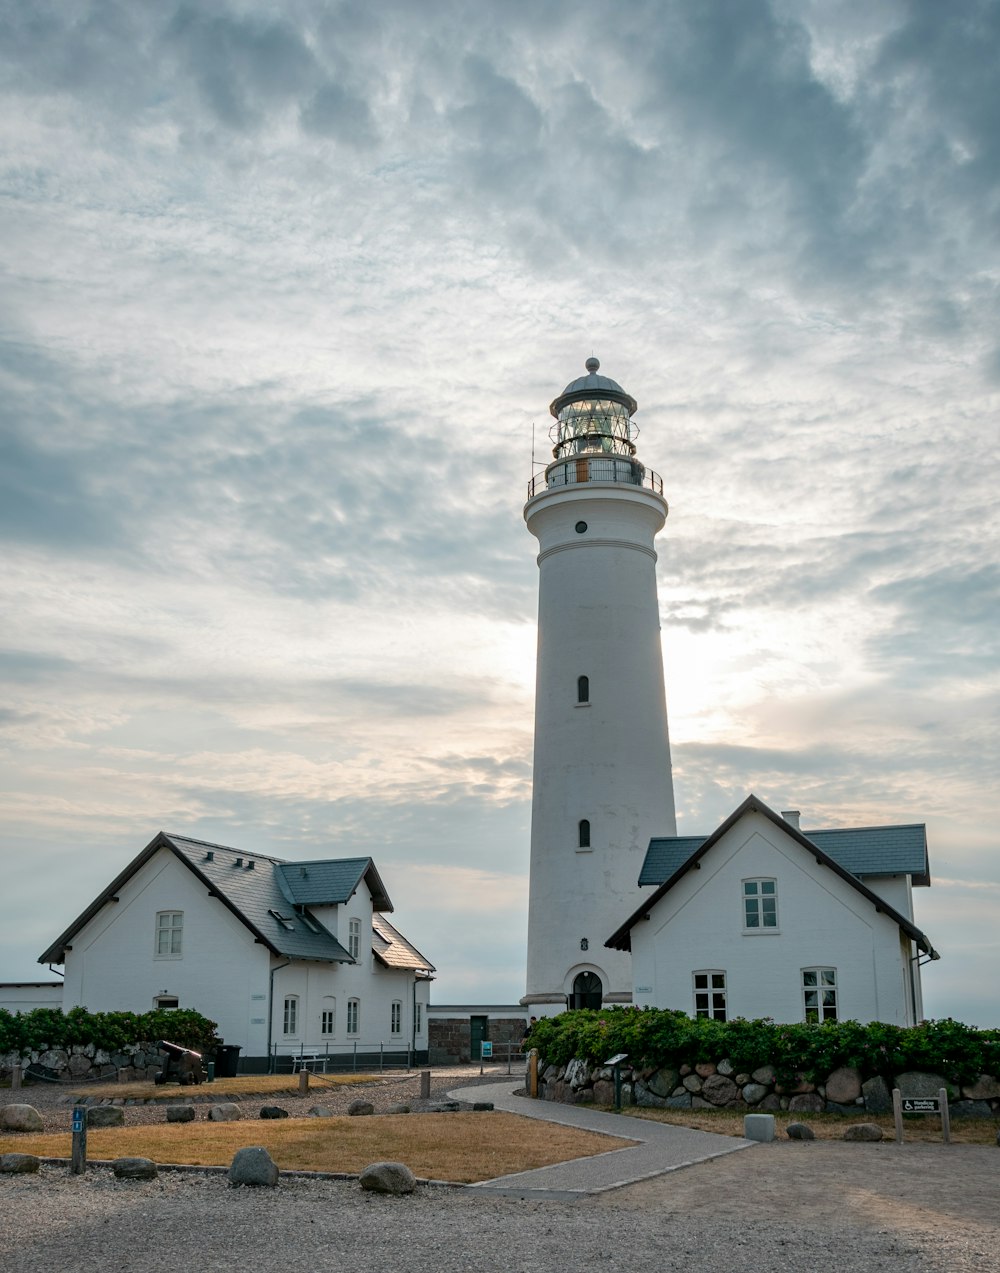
{"type": "Point", "coordinates": [621, 939]}
{"type": "Point", "coordinates": [592, 385]}
{"type": "Point", "coordinates": [864, 851]}
{"type": "Point", "coordinates": [255, 888]}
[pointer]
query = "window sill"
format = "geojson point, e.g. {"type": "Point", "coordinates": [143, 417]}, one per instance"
{"type": "Point", "coordinates": [762, 932]}
{"type": "Point", "coordinates": [581, 704]}
{"type": "Point", "coordinates": [584, 850]}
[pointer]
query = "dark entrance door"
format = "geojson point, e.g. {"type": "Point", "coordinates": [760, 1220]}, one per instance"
{"type": "Point", "coordinates": [587, 991]}
{"type": "Point", "coordinates": [479, 1029]}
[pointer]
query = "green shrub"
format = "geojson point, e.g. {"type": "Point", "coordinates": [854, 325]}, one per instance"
{"type": "Point", "coordinates": [24, 1032]}
{"type": "Point", "coordinates": [653, 1038]}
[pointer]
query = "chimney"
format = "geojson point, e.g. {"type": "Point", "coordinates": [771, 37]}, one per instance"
{"type": "Point", "coordinates": [238, 862]}
{"type": "Point", "coordinates": [792, 816]}
{"type": "Point", "coordinates": [250, 864]}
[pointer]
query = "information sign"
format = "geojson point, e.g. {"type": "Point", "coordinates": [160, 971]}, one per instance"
{"type": "Point", "coordinates": [921, 1105]}
{"type": "Point", "coordinates": [486, 1050]}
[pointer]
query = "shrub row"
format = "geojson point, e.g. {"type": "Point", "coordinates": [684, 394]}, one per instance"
{"type": "Point", "coordinates": [26, 1032]}
{"type": "Point", "coordinates": [653, 1037]}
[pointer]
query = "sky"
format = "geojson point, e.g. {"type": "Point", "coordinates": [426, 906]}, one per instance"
{"type": "Point", "coordinates": [286, 292]}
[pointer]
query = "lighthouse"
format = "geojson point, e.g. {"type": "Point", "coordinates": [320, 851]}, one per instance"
{"type": "Point", "coordinates": [602, 778]}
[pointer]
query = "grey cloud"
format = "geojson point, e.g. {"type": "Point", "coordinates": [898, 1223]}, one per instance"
{"type": "Point", "coordinates": [44, 497]}
{"type": "Point", "coordinates": [335, 112]}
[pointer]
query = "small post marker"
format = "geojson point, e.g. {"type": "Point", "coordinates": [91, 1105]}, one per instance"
{"type": "Point", "coordinates": [425, 1085]}
{"type": "Point", "coordinates": [533, 1073]}
{"type": "Point", "coordinates": [922, 1105]}
{"type": "Point", "coordinates": [485, 1053]}
{"type": "Point", "coordinates": [15, 1079]}
{"type": "Point", "coordinates": [79, 1159]}
{"type": "Point", "coordinates": [303, 1082]}
{"type": "Point", "coordinates": [945, 1115]}
{"type": "Point", "coordinates": [897, 1114]}
{"type": "Point", "coordinates": [616, 1065]}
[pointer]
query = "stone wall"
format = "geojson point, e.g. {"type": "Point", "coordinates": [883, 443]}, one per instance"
{"type": "Point", "coordinates": [450, 1038]}
{"type": "Point", "coordinates": [84, 1061]}
{"type": "Point", "coordinates": [719, 1086]}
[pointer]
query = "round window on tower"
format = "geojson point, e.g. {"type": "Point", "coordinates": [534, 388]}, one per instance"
{"type": "Point", "coordinates": [581, 528]}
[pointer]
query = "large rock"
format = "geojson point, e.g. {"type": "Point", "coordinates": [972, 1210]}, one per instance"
{"type": "Point", "coordinates": [878, 1098]}
{"type": "Point", "coordinates": [985, 1088]}
{"type": "Point", "coordinates": [970, 1109]}
{"type": "Point", "coordinates": [764, 1074]}
{"type": "Point", "coordinates": [273, 1111]}
{"type": "Point", "coordinates": [844, 1085]}
{"type": "Point", "coordinates": [319, 1111]}
{"type": "Point", "coordinates": [754, 1093]}
{"type": "Point", "coordinates": [807, 1103]}
{"type": "Point", "coordinates": [863, 1131]}
{"type": "Point", "coordinates": [18, 1164]}
{"type": "Point", "coordinates": [799, 1131]}
{"type": "Point", "coordinates": [78, 1066]}
{"type": "Point", "coordinates": [648, 1099]}
{"type": "Point", "coordinates": [227, 1112]}
{"type": "Point", "coordinates": [915, 1083]}
{"type": "Point", "coordinates": [604, 1092]}
{"type": "Point", "coordinates": [726, 1067]}
{"type": "Point", "coordinates": [253, 1166]}
{"type": "Point", "coordinates": [401, 1108]}
{"type": "Point", "coordinates": [692, 1082]}
{"type": "Point", "coordinates": [679, 1102]}
{"type": "Point", "coordinates": [577, 1073]}
{"type": "Point", "coordinates": [770, 1103]}
{"type": "Point", "coordinates": [358, 1109]}
{"type": "Point", "coordinates": [719, 1090]}
{"type": "Point", "coordinates": [20, 1118]}
{"type": "Point", "coordinates": [180, 1113]}
{"type": "Point", "coordinates": [105, 1116]}
{"type": "Point", "coordinates": [54, 1059]}
{"type": "Point", "coordinates": [704, 1068]}
{"type": "Point", "coordinates": [388, 1177]}
{"type": "Point", "coordinates": [134, 1168]}
{"type": "Point", "coordinates": [663, 1082]}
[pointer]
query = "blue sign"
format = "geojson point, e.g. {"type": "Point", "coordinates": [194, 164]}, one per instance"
{"type": "Point", "coordinates": [78, 1119]}
{"type": "Point", "coordinates": [486, 1050]}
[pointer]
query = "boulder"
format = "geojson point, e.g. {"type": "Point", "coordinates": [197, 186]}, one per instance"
{"type": "Point", "coordinates": [227, 1112]}
{"type": "Point", "coordinates": [863, 1131]}
{"type": "Point", "coordinates": [398, 1109]}
{"type": "Point", "coordinates": [915, 1083]}
{"type": "Point", "coordinates": [970, 1109]}
{"type": "Point", "coordinates": [662, 1082]}
{"type": "Point", "coordinates": [704, 1068]}
{"type": "Point", "coordinates": [54, 1059]}
{"type": "Point", "coordinates": [726, 1067]}
{"type": "Point", "coordinates": [273, 1111]}
{"type": "Point", "coordinates": [319, 1111]}
{"type": "Point", "coordinates": [577, 1074]}
{"type": "Point", "coordinates": [808, 1102]}
{"type": "Point", "coordinates": [844, 1085]}
{"type": "Point", "coordinates": [833, 1108]}
{"type": "Point", "coordinates": [134, 1169]}
{"type": "Point", "coordinates": [985, 1088]}
{"type": "Point", "coordinates": [105, 1116]}
{"type": "Point", "coordinates": [764, 1074]}
{"type": "Point", "coordinates": [798, 1088]}
{"type": "Point", "coordinates": [253, 1166]}
{"type": "Point", "coordinates": [692, 1082]}
{"type": "Point", "coordinates": [180, 1113]}
{"type": "Point", "coordinates": [78, 1065]}
{"type": "Point", "coordinates": [679, 1102]}
{"type": "Point", "coordinates": [741, 1080]}
{"type": "Point", "coordinates": [445, 1107]}
{"type": "Point", "coordinates": [648, 1099]}
{"type": "Point", "coordinates": [388, 1177]}
{"type": "Point", "coordinates": [799, 1131]}
{"type": "Point", "coordinates": [604, 1092]}
{"type": "Point", "coordinates": [719, 1090]}
{"type": "Point", "coordinates": [20, 1118]}
{"type": "Point", "coordinates": [770, 1103]}
{"type": "Point", "coordinates": [878, 1098]}
{"type": "Point", "coordinates": [18, 1164]}
{"type": "Point", "coordinates": [754, 1093]}
{"type": "Point", "coordinates": [357, 1109]}
{"type": "Point", "coordinates": [482, 1107]}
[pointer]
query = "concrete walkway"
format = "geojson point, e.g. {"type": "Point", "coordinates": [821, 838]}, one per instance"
{"type": "Point", "coordinates": [658, 1148]}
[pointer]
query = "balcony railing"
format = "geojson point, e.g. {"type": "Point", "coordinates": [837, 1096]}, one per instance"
{"type": "Point", "coordinates": [586, 472]}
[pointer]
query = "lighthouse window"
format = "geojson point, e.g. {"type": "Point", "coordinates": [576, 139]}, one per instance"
{"type": "Point", "coordinates": [583, 689]}
{"type": "Point", "coordinates": [584, 833]}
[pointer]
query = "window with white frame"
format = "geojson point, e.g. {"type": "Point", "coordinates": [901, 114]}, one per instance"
{"type": "Point", "coordinates": [418, 1017]}
{"type": "Point", "coordinates": [396, 1017]}
{"type": "Point", "coordinates": [328, 1016]}
{"type": "Point", "coordinates": [819, 993]}
{"type": "Point", "coordinates": [354, 938]}
{"type": "Point", "coordinates": [169, 928]}
{"type": "Point", "coordinates": [353, 1016]}
{"type": "Point", "coordinates": [290, 1019]}
{"type": "Point", "coordinates": [710, 994]}
{"type": "Point", "coordinates": [760, 905]}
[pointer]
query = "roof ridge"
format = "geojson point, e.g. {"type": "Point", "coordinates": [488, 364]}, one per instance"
{"type": "Point", "coordinates": [230, 848]}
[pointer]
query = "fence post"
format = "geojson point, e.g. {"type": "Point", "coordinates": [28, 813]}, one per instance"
{"type": "Point", "coordinates": [381, 1055]}
{"type": "Point", "coordinates": [355, 1056]}
{"type": "Point", "coordinates": [79, 1151]}
{"type": "Point", "coordinates": [897, 1114]}
{"type": "Point", "coordinates": [945, 1115]}
{"type": "Point", "coordinates": [533, 1073]}
{"type": "Point", "coordinates": [15, 1078]}
{"type": "Point", "coordinates": [303, 1081]}
{"type": "Point", "coordinates": [425, 1085]}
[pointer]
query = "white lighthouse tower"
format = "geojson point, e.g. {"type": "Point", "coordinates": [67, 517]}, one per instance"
{"type": "Point", "coordinates": [602, 779]}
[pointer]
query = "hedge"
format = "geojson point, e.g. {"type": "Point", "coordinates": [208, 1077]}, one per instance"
{"type": "Point", "coordinates": [653, 1038]}
{"type": "Point", "coordinates": [44, 1028]}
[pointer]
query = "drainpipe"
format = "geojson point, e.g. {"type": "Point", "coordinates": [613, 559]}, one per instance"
{"type": "Point", "coordinates": [270, 1009]}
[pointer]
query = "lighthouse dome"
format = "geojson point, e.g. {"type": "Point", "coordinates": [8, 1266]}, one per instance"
{"type": "Point", "coordinates": [592, 386]}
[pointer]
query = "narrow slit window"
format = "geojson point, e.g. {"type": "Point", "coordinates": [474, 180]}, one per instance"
{"type": "Point", "coordinates": [583, 833]}
{"type": "Point", "coordinates": [583, 689]}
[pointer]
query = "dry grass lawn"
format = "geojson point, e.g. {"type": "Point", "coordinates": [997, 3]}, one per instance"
{"type": "Point", "coordinates": [916, 1129]}
{"type": "Point", "coordinates": [459, 1147]}
{"type": "Point", "coordinates": [248, 1084]}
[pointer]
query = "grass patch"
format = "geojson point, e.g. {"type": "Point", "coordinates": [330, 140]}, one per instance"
{"type": "Point", "coordinates": [249, 1084]}
{"type": "Point", "coordinates": [920, 1129]}
{"type": "Point", "coordinates": [459, 1147]}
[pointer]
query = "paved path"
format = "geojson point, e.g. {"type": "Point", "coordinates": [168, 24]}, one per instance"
{"type": "Point", "coordinates": [658, 1148]}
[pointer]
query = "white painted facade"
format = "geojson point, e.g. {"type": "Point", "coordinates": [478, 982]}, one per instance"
{"type": "Point", "coordinates": [823, 923]}
{"type": "Point", "coordinates": [602, 753]}
{"type": "Point", "coordinates": [26, 996]}
{"type": "Point", "coordinates": [257, 997]}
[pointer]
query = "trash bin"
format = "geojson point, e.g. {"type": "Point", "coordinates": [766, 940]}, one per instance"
{"type": "Point", "coordinates": [227, 1058]}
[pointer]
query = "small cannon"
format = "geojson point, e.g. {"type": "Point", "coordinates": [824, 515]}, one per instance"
{"type": "Point", "coordinates": [181, 1066]}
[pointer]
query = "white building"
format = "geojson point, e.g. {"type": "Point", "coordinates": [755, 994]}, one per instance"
{"type": "Point", "coordinates": [292, 957]}
{"type": "Point", "coordinates": [760, 919]}
{"type": "Point", "coordinates": [602, 779]}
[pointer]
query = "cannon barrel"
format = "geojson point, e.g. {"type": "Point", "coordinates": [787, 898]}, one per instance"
{"type": "Point", "coordinates": [175, 1050]}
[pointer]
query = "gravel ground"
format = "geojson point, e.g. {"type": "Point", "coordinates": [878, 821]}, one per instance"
{"type": "Point", "coordinates": [806, 1207]}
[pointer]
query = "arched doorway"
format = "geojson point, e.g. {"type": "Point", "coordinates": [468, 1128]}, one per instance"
{"type": "Point", "coordinates": [587, 991]}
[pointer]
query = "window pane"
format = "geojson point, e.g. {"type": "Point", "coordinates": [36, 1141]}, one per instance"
{"type": "Point", "coordinates": [809, 979]}
{"type": "Point", "coordinates": [719, 980]}
{"type": "Point", "coordinates": [701, 981]}
{"type": "Point", "coordinates": [767, 886]}
{"type": "Point", "coordinates": [752, 920]}
{"type": "Point", "coordinates": [750, 888]}
{"type": "Point", "coordinates": [829, 977]}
